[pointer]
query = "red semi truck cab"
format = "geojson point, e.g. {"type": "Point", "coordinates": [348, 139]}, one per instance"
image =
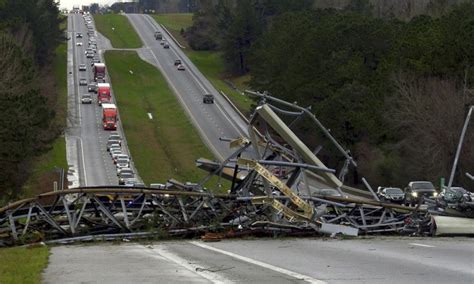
{"type": "Point", "coordinates": [99, 71]}
{"type": "Point", "coordinates": [109, 116]}
{"type": "Point", "coordinates": [103, 93]}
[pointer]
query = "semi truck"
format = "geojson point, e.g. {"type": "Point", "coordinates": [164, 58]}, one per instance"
{"type": "Point", "coordinates": [99, 71]}
{"type": "Point", "coordinates": [103, 93]}
{"type": "Point", "coordinates": [109, 116]}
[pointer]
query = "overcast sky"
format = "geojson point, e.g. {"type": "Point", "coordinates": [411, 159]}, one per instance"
{"type": "Point", "coordinates": [69, 3]}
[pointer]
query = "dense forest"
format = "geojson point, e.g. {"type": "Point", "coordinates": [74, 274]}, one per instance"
{"type": "Point", "coordinates": [29, 34]}
{"type": "Point", "coordinates": [395, 92]}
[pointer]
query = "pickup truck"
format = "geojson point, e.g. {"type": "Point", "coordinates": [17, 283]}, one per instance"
{"type": "Point", "coordinates": [416, 190]}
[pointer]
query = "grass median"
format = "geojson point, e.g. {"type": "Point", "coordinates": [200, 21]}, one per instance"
{"type": "Point", "coordinates": [118, 30]}
{"type": "Point", "coordinates": [210, 63]}
{"type": "Point", "coordinates": [165, 146]}
{"type": "Point", "coordinates": [22, 264]}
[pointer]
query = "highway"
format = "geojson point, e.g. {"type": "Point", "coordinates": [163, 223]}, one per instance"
{"type": "Point", "coordinates": [372, 260]}
{"type": "Point", "coordinates": [94, 164]}
{"type": "Point", "coordinates": [213, 121]}
{"type": "Point", "coordinates": [294, 260]}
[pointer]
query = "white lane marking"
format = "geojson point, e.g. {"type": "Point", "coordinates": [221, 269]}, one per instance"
{"type": "Point", "coordinates": [179, 96]}
{"type": "Point", "coordinates": [196, 79]}
{"type": "Point", "coordinates": [421, 245]}
{"type": "Point", "coordinates": [213, 277]}
{"type": "Point", "coordinates": [262, 264]}
{"type": "Point", "coordinates": [83, 161]}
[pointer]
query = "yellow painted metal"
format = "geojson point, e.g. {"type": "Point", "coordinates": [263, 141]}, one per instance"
{"type": "Point", "coordinates": [266, 174]}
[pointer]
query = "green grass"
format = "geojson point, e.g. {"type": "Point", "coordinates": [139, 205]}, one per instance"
{"type": "Point", "coordinates": [22, 264]}
{"type": "Point", "coordinates": [118, 30]}
{"type": "Point", "coordinates": [210, 63]}
{"type": "Point", "coordinates": [166, 146]}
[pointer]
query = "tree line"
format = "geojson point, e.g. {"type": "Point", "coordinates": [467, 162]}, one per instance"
{"type": "Point", "coordinates": [29, 34]}
{"type": "Point", "coordinates": [394, 92]}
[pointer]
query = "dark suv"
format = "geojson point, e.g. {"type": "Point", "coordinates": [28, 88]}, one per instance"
{"type": "Point", "coordinates": [208, 99]}
{"type": "Point", "coordinates": [416, 190]}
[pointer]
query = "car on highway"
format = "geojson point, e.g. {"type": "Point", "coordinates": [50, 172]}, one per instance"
{"type": "Point", "coordinates": [158, 185]}
{"type": "Point", "coordinates": [82, 67]}
{"type": "Point", "coordinates": [123, 177]}
{"type": "Point", "coordinates": [123, 157]}
{"type": "Point", "coordinates": [416, 191]}
{"type": "Point", "coordinates": [181, 67]}
{"type": "Point", "coordinates": [208, 99]}
{"type": "Point", "coordinates": [114, 152]}
{"type": "Point", "coordinates": [112, 143]}
{"type": "Point", "coordinates": [92, 87]}
{"type": "Point", "coordinates": [158, 35]}
{"type": "Point", "coordinates": [115, 136]}
{"type": "Point", "coordinates": [86, 99]}
{"type": "Point", "coordinates": [79, 35]}
{"type": "Point", "coordinates": [133, 182]}
{"type": "Point", "coordinates": [124, 170]}
{"type": "Point", "coordinates": [82, 82]}
{"type": "Point", "coordinates": [122, 163]}
{"type": "Point", "coordinates": [162, 42]}
{"type": "Point", "coordinates": [94, 60]}
{"type": "Point", "coordinates": [79, 44]}
{"type": "Point", "coordinates": [391, 194]}
{"type": "Point", "coordinates": [166, 45]}
{"type": "Point", "coordinates": [177, 62]}
{"type": "Point", "coordinates": [90, 54]}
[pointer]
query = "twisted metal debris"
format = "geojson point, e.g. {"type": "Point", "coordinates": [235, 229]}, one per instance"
{"type": "Point", "coordinates": [278, 186]}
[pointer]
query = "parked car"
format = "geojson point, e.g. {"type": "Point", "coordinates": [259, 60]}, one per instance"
{"type": "Point", "coordinates": [181, 67]}
{"type": "Point", "coordinates": [208, 99]}
{"type": "Point", "coordinates": [86, 99]}
{"type": "Point", "coordinates": [177, 62]}
{"type": "Point", "coordinates": [82, 82]}
{"type": "Point", "coordinates": [391, 194]}
{"type": "Point", "coordinates": [82, 67]}
{"type": "Point", "coordinates": [417, 190]}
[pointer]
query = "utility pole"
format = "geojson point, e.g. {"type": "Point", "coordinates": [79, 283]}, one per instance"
{"type": "Point", "coordinates": [458, 151]}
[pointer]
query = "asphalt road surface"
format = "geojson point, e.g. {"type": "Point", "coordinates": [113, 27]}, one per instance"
{"type": "Point", "coordinates": [213, 121]}
{"type": "Point", "coordinates": [95, 166]}
{"type": "Point", "coordinates": [374, 260]}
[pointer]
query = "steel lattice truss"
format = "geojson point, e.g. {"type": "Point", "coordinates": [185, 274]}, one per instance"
{"type": "Point", "coordinates": [278, 185]}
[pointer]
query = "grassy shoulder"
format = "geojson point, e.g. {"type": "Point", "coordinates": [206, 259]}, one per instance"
{"type": "Point", "coordinates": [210, 63]}
{"type": "Point", "coordinates": [118, 30]}
{"type": "Point", "coordinates": [167, 145]}
{"type": "Point", "coordinates": [22, 264]}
